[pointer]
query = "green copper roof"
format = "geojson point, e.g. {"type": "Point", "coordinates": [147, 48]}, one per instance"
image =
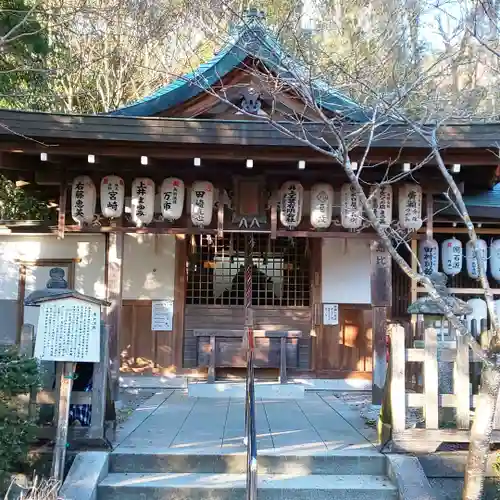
{"type": "Point", "coordinates": [250, 39]}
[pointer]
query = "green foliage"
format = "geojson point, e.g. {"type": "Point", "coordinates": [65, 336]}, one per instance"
{"type": "Point", "coordinates": [23, 72]}
{"type": "Point", "coordinates": [18, 374]}
{"type": "Point", "coordinates": [17, 204]}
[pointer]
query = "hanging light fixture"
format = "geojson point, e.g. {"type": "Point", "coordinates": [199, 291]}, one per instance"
{"type": "Point", "coordinates": [197, 162]}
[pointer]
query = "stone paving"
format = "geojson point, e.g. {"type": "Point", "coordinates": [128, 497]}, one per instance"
{"type": "Point", "coordinates": [171, 422]}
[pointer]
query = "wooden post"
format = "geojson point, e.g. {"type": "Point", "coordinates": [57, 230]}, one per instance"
{"type": "Point", "coordinates": [211, 364]}
{"type": "Point", "coordinates": [397, 387]}
{"type": "Point", "coordinates": [431, 388]}
{"type": "Point", "coordinates": [181, 246]}
{"type": "Point", "coordinates": [381, 298]}
{"type": "Point", "coordinates": [461, 383]}
{"type": "Point", "coordinates": [63, 398]}
{"type": "Point", "coordinates": [114, 279]}
{"type": "Point", "coordinates": [63, 195]}
{"type": "Point", "coordinates": [283, 376]}
{"type": "Point", "coordinates": [316, 316]}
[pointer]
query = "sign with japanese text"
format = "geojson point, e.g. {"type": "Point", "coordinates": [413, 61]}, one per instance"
{"type": "Point", "coordinates": [162, 314]}
{"type": "Point", "coordinates": [291, 200]}
{"type": "Point", "coordinates": [68, 330]}
{"type": "Point", "coordinates": [330, 314]}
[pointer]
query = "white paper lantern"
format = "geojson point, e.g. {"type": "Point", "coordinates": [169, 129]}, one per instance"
{"type": "Point", "coordinates": [291, 201]}
{"type": "Point", "coordinates": [470, 258]}
{"type": "Point", "coordinates": [322, 197]}
{"type": "Point", "coordinates": [351, 209]}
{"type": "Point", "coordinates": [410, 206]}
{"type": "Point", "coordinates": [143, 201]}
{"type": "Point", "coordinates": [452, 256]}
{"type": "Point", "coordinates": [83, 199]}
{"type": "Point", "coordinates": [202, 203]}
{"type": "Point", "coordinates": [172, 198]}
{"type": "Point", "coordinates": [112, 196]}
{"type": "Point", "coordinates": [479, 313]}
{"type": "Point", "coordinates": [429, 256]}
{"type": "Point", "coordinates": [495, 259]}
{"type": "Point", "coordinates": [381, 203]}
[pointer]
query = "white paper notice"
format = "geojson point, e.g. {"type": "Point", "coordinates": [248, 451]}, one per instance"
{"type": "Point", "coordinates": [68, 330]}
{"type": "Point", "coordinates": [330, 314]}
{"type": "Point", "coordinates": [162, 315]}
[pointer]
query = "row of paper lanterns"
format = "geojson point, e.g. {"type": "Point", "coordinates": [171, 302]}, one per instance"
{"type": "Point", "coordinates": [202, 199]}
{"type": "Point", "coordinates": [452, 257]}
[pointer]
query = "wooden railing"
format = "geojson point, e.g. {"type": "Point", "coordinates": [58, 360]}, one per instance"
{"type": "Point", "coordinates": [446, 416]}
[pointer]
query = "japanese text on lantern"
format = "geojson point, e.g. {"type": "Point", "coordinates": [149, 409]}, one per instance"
{"type": "Point", "coordinates": [322, 198]}
{"type": "Point", "coordinates": [199, 214]}
{"type": "Point", "coordinates": [381, 205]}
{"type": "Point", "coordinates": [79, 198]}
{"type": "Point", "coordinates": [113, 189]}
{"type": "Point", "coordinates": [291, 204]}
{"type": "Point", "coordinates": [455, 260]}
{"type": "Point", "coordinates": [170, 197]}
{"type": "Point", "coordinates": [351, 205]}
{"type": "Point", "coordinates": [68, 330]}
{"type": "Point", "coordinates": [429, 259]}
{"type": "Point", "coordinates": [412, 209]}
{"type": "Point", "coordinates": [141, 193]}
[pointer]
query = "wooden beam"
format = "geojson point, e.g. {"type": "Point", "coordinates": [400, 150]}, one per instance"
{"type": "Point", "coordinates": [381, 300]}
{"type": "Point", "coordinates": [114, 283]}
{"type": "Point", "coordinates": [181, 245]}
{"type": "Point", "coordinates": [63, 192]}
{"type": "Point", "coordinates": [316, 318]}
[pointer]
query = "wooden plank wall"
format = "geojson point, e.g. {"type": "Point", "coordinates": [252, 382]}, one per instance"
{"type": "Point", "coordinates": [346, 349]}
{"type": "Point", "coordinates": [232, 318]}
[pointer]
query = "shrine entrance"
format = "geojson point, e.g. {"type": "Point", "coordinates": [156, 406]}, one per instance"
{"type": "Point", "coordinates": [215, 302]}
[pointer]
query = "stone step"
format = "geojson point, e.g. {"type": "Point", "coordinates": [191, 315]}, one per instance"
{"type": "Point", "coordinates": [344, 462]}
{"type": "Point", "coordinates": [232, 487]}
{"type": "Point", "coordinates": [237, 390]}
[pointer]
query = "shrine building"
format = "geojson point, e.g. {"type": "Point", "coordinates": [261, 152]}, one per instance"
{"type": "Point", "coordinates": [159, 202]}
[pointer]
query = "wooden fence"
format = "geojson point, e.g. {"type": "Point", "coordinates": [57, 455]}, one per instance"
{"type": "Point", "coordinates": [446, 416]}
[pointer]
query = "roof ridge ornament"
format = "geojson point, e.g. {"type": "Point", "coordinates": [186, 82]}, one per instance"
{"type": "Point", "coordinates": [253, 13]}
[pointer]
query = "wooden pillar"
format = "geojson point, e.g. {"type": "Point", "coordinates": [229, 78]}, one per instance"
{"type": "Point", "coordinates": [315, 245]}
{"type": "Point", "coordinates": [181, 244]}
{"type": "Point", "coordinates": [114, 281]}
{"type": "Point", "coordinates": [381, 298]}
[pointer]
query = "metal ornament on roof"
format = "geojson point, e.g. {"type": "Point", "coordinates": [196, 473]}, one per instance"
{"type": "Point", "coordinates": [172, 198]}
{"type": "Point", "coordinates": [322, 198]}
{"type": "Point", "coordinates": [112, 196]}
{"type": "Point", "coordinates": [202, 203]}
{"type": "Point", "coordinates": [351, 209]}
{"type": "Point", "coordinates": [428, 255]}
{"type": "Point", "coordinates": [495, 259]}
{"type": "Point", "coordinates": [291, 201]}
{"type": "Point", "coordinates": [452, 256]}
{"type": "Point", "coordinates": [143, 201]}
{"type": "Point", "coordinates": [381, 203]}
{"type": "Point", "coordinates": [470, 257]}
{"type": "Point", "coordinates": [83, 199]}
{"type": "Point", "coordinates": [410, 206]}
{"type": "Point", "coordinates": [427, 305]}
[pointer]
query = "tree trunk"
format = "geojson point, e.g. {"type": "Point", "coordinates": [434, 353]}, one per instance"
{"type": "Point", "coordinates": [480, 436]}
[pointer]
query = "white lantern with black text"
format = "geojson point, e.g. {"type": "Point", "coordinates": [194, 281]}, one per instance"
{"type": "Point", "coordinates": [83, 199]}
{"type": "Point", "coordinates": [143, 201]}
{"type": "Point", "coordinates": [351, 209]}
{"type": "Point", "coordinates": [291, 201]}
{"type": "Point", "coordinates": [172, 198]}
{"type": "Point", "coordinates": [410, 206]}
{"type": "Point", "coordinates": [381, 203]}
{"type": "Point", "coordinates": [452, 256]}
{"type": "Point", "coordinates": [112, 196]}
{"type": "Point", "coordinates": [429, 256]}
{"type": "Point", "coordinates": [495, 259]}
{"type": "Point", "coordinates": [202, 203]}
{"type": "Point", "coordinates": [321, 206]}
{"type": "Point", "coordinates": [470, 257]}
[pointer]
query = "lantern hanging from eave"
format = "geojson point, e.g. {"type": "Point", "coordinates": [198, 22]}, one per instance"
{"type": "Point", "coordinates": [351, 209]}
{"type": "Point", "coordinates": [322, 197]}
{"type": "Point", "coordinates": [172, 198]}
{"type": "Point", "coordinates": [452, 256]}
{"type": "Point", "coordinates": [495, 259]}
{"type": "Point", "coordinates": [381, 203]}
{"type": "Point", "coordinates": [202, 203]}
{"type": "Point", "coordinates": [291, 201]}
{"type": "Point", "coordinates": [429, 256]}
{"type": "Point", "coordinates": [112, 196]}
{"type": "Point", "coordinates": [410, 206]}
{"type": "Point", "coordinates": [470, 257]}
{"type": "Point", "coordinates": [83, 199]}
{"type": "Point", "coordinates": [142, 201]}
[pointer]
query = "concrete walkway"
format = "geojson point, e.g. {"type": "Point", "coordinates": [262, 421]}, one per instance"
{"type": "Point", "coordinates": [318, 424]}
